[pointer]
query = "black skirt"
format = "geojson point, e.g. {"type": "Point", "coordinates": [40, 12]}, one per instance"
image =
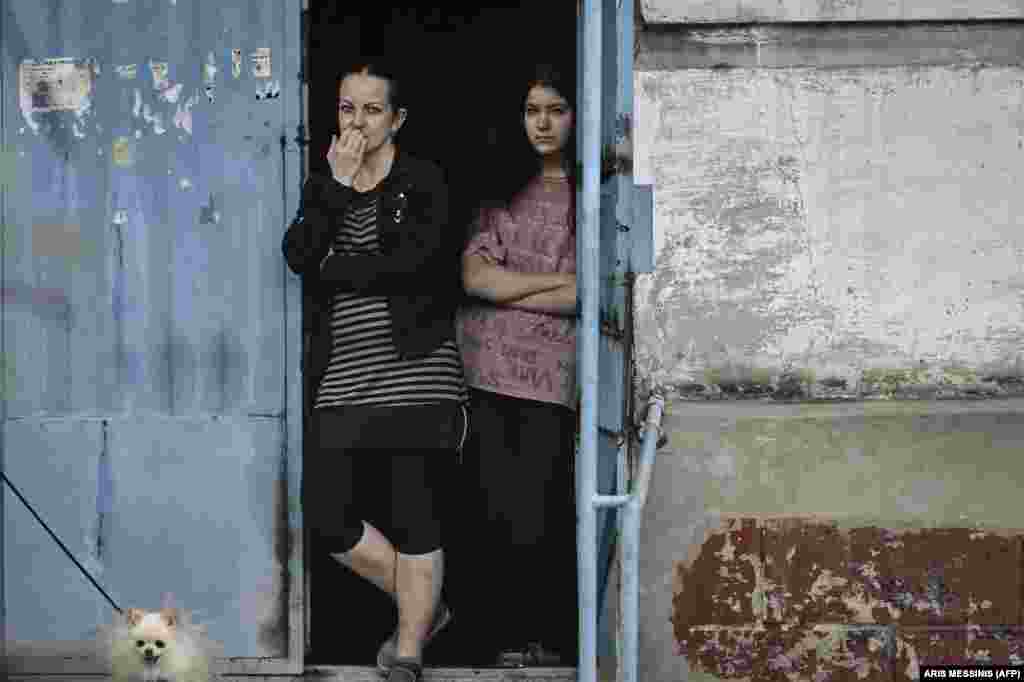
{"type": "Point", "coordinates": [389, 466]}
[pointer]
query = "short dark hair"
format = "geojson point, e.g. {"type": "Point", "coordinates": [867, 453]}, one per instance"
{"type": "Point", "coordinates": [379, 67]}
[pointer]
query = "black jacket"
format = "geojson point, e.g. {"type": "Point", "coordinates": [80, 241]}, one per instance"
{"type": "Point", "coordinates": [419, 268]}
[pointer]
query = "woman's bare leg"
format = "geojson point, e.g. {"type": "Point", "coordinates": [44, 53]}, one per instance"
{"type": "Point", "coordinates": [372, 558]}
{"type": "Point", "coordinates": [419, 579]}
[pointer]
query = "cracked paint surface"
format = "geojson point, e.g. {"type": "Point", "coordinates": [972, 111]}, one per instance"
{"type": "Point", "coordinates": [804, 599]}
{"type": "Point", "coordinates": [127, 366]}
{"type": "Point", "coordinates": [833, 233]}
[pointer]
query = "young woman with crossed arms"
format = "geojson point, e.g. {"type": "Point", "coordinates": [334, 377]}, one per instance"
{"type": "Point", "coordinates": [518, 345]}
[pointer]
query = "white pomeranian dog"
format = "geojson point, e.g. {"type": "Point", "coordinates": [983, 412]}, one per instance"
{"type": "Point", "coordinates": [158, 646]}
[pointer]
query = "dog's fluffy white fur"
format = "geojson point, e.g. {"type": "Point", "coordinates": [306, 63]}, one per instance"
{"type": "Point", "coordinates": [179, 650]}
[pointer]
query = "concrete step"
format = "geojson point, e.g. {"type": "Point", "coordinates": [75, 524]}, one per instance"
{"type": "Point", "coordinates": [332, 673]}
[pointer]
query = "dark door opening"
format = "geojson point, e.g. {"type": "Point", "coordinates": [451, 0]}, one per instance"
{"type": "Point", "coordinates": [458, 64]}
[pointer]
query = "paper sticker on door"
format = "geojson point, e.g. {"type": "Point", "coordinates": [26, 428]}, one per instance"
{"type": "Point", "coordinates": [54, 84]}
{"type": "Point", "coordinates": [159, 71]}
{"type": "Point", "coordinates": [210, 76]}
{"type": "Point", "coordinates": [261, 63]}
{"type": "Point", "coordinates": [126, 71]}
{"type": "Point", "coordinates": [272, 90]}
{"type": "Point", "coordinates": [122, 152]}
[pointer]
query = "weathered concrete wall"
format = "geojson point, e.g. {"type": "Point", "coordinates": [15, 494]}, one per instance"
{"type": "Point", "coordinates": [820, 541]}
{"type": "Point", "coordinates": [848, 231]}
{"type": "Point", "coordinates": [744, 11]}
{"type": "Point", "coordinates": [836, 317]}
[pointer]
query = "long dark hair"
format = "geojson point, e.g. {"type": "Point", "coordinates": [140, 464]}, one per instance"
{"type": "Point", "coordinates": [515, 161]}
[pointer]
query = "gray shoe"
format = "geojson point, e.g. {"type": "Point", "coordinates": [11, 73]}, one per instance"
{"type": "Point", "coordinates": [405, 670]}
{"type": "Point", "coordinates": [388, 652]}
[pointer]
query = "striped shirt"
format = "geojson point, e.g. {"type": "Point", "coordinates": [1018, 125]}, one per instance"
{"type": "Point", "coordinates": [364, 367]}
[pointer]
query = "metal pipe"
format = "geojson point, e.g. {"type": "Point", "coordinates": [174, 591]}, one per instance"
{"type": "Point", "coordinates": [656, 410]}
{"type": "Point", "coordinates": [632, 514]}
{"type": "Point", "coordinates": [602, 501]}
{"type": "Point", "coordinates": [622, 491]}
{"type": "Point", "coordinates": [589, 335]}
{"type": "Point", "coordinates": [622, 481]}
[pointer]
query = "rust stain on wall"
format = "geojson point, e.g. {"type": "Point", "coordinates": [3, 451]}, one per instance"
{"type": "Point", "coordinates": [802, 599]}
{"type": "Point", "coordinates": [718, 584]}
{"type": "Point", "coordinates": [787, 654]}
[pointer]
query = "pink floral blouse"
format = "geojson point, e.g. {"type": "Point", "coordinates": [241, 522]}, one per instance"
{"type": "Point", "coordinates": [516, 352]}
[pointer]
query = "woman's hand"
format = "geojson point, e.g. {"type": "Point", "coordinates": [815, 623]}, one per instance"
{"type": "Point", "coordinates": [345, 155]}
{"type": "Point", "coordinates": [483, 278]}
{"type": "Point", "coordinates": [565, 279]}
{"type": "Point", "coordinates": [560, 301]}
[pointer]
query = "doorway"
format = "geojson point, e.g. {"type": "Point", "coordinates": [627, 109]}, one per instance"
{"type": "Point", "coordinates": [458, 63]}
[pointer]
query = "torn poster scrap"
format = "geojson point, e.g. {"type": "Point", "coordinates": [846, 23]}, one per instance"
{"type": "Point", "coordinates": [261, 63]}
{"type": "Point", "coordinates": [272, 90]}
{"type": "Point", "coordinates": [159, 71]}
{"type": "Point", "coordinates": [55, 84]}
{"type": "Point", "coordinates": [210, 76]}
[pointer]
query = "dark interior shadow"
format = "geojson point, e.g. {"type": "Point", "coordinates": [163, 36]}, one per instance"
{"type": "Point", "coordinates": [459, 65]}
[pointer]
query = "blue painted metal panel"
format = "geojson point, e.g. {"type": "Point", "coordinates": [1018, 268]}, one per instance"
{"type": "Point", "coordinates": [609, 411]}
{"type": "Point", "coordinates": [144, 289]}
{"type": "Point", "coordinates": [128, 231]}
{"type": "Point", "coordinates": [641, 235]}
{"type": "Point", "coordinates": [6, 180]}
{"type": "Point", "coordinates": [610, 351]}
{"type": "Point", "coordinates": [232, 517]}
{"type": "Point", "coordinates": [139, 540]}
{"type": "Point", "coordinates": [296, 167]}
{"type": "Point", "coordinates": [42, 580]}
{"type": "Point", "coordinates": [625, 232]}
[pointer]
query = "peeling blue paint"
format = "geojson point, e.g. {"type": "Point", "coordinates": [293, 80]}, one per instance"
{"type": "Point", "coordinates": [153, 342]}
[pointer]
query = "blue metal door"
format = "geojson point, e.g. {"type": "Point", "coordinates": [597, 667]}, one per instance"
{"type": "Point", "coordinates": [624, 249]}
{"type": "Point", "coordinates": [151, 333]}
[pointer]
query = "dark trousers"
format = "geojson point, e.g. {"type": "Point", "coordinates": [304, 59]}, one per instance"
{"type": "Point", "coordinates": [517, 558]}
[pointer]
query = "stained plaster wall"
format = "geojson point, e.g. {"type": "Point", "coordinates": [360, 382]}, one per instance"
{"type": "Point", "coordinates": [836, 319]}
{"type": "Point", "coordinates": [709, 11]}
{"type": "Point", "coordinates": [854, 229]}
{"type": "Point", "coordinates": [780, 539]}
